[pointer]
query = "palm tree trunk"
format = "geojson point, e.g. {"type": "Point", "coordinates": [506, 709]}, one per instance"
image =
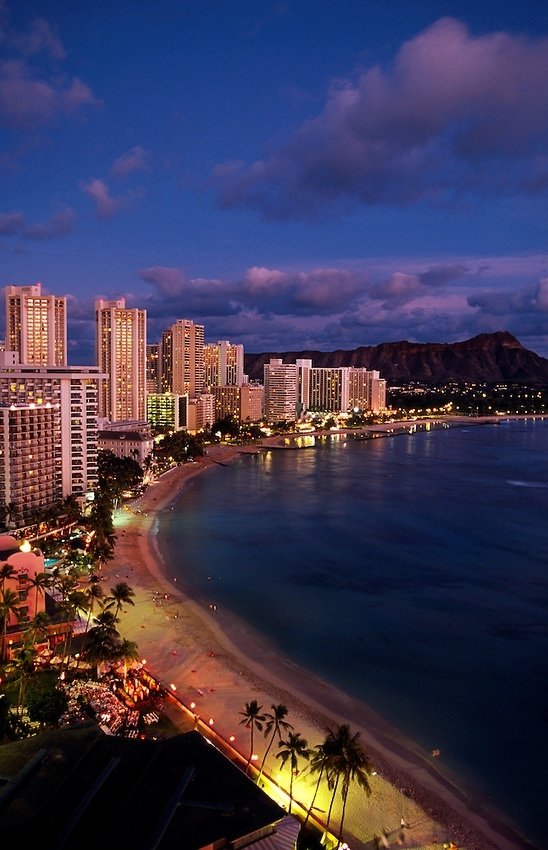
{"type": "Point", "coordinates": [331, 805]}
{"type": "Point", "coordinates": [344, 798]}
{"type": "Point", "coordinates": [266, 754]}
{"type": "Point", "coordinates": [290, 791]}
{"type": "Point", "coordinates": [250, 749]}
{"type": "Point", "coordinates": [317, 788]}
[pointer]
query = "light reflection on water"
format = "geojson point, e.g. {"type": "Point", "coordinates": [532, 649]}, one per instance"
{"type": "Point", "coordinates": [411, 572]}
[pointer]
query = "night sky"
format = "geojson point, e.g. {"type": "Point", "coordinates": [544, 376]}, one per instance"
{"type": "Point", "coordinates": [290, 174]}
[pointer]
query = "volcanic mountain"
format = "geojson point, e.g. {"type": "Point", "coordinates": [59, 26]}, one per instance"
{"type": "Point", "coordinates": [488, 358]}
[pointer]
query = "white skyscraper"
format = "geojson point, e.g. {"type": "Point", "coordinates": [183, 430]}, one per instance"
{"type": "Point", "coordinates": [121, 354]}
{"type": "Point", "coordinates": [36, 326]}
{"type": "Point", "coordinates": [280, 391]}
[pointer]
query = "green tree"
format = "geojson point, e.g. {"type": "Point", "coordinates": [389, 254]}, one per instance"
{"type": "Point", "coordinates": [348, 763]}
{"type": "Point", "coordinates": [177, 448]}
{"type": "Point", "coordinates": [102, 640]}
{"type": "Point", "coordinates": [226, 426]}
{"type": "Point", "coordinates": [320, 764]}
{"type": "Point", "coordinates": [117, 474]}
{"type": "Point", "coordinates": [37, 626]}
{"type": "Point", "coordinates": [23, 665]}
{"type": "Point", "coordinates": [9, 604]}
{"type": "Point", "coordinates": [121, 594]}
{"type": "Point", "coordinates": [274, 723]}
{"type": "Point", "coordinates": [356, 767]}
{"type": "Point", "coordinates": [40, 582]}
{"type": "Point", "coordinates": [295, 748]}
{"type": "Point", "coordinates": [7, 571]}
{"type": "Point", "coordinates": [11, 514]}
{"type": "Point", "coordinates": [46, 706]}
{"type": "Point", "coordinates": [252, 719]}
{"type": "Point", "coordinates": [127, 651]}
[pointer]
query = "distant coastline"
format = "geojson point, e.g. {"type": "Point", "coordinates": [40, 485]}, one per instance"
{"type": "Point", "coordinates": [291, 439]}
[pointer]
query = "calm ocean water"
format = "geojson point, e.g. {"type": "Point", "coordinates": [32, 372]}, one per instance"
{"type": "Point", "coordinates": [412, 572]}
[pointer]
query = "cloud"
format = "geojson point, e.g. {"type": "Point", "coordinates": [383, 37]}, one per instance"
{"type": "Point", "coordinates": [541, 295]}
{"type": "Point", "coordinates": [107, 206]}
{"type": "Point", "coordinates": [401, 287]}
{"type": "Point", "coordinates": [39, 38]}
{"type": "Point", "coordinates": [386, 300]}
{"type": "Point", "coordinates": [266, 291]}
{"type": "Point", "coordinates": [276, 310]}
{"type": "Point", "coordinates": [27, 102]}
{"type": "Point", "coordinates": [11, 223]}
{"type": "Point", "coordinates": [134, 160]}
{"type": "Point", "coordinates": [33, 90]}
{"type": "Point", "coordinates": [60, 224]}
{"type": "Point", "coordinates": [434, 126]}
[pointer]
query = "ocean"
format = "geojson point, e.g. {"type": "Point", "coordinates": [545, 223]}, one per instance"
{"type": "Point", "coordinates": [411, 572]}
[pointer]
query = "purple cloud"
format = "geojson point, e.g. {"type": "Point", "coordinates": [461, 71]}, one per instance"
{"type": "Point", "coordinates": [60, 224]}
{"type": "Point", "coordinates": [107, 206]}
{"type": "Point", "coordinates": [266, 291]}
{"type": "Point", "coordinates": [134, 160]}
{"type": "Point", "coordinates": [27, 101]}
{"type": "Point", "coordinates": [434, 126]}
{"type": "Point", "coordinates": [31, 93]}
{"type": "Point", "coordinates": [39, 38]}
{"type": "Point", "coordinates": [11, 223]}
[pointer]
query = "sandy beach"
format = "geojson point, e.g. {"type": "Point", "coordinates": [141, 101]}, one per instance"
{"type": "Point", "coordinates": [216, 663]}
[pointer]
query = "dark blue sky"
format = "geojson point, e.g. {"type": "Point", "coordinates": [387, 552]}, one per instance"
{"type": "Point", "coordinates": [292, 174]}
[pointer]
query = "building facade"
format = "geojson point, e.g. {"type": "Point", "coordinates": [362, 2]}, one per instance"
{"type": "Point", "coordinates": [30, 457]}
{"type": "Point", "coordinates": [223, 364]}
{"type": "Point", "coordinates": [280, 391]}
{"type": "Point", "coordinates": [153, 368]}
{"type": "Point", "coordinates": [167, 411]}
{"type": "Point", "coordinates": [366, 390]}
{"type": "Point", "coordinates": [36, 325]}
{"type": "Point", "coordinates": [182, 358]}
{"type": "Point", "coordinates": [244, 403]}
{"type": "Point", "coordinates": [73, 391]}
{"type": "Point", "coordinates": [121, 355]}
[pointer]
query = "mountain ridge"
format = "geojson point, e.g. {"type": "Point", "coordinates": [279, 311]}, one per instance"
{"type": "Point", "coordinates": [486, 358]}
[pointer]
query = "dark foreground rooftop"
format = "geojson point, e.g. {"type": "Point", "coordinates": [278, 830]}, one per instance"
{"type": "Point", "coordinates": [81, 788]}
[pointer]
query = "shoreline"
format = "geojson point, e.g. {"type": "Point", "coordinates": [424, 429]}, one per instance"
{"type": "Point", "coordinates": [207, 656]}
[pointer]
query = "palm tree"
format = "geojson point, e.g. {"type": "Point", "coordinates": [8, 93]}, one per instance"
{"type": "Point", "coordinates": [74, 600]}
{"type": "Point", "coordinates": [12, 514]}
{"type": "Point", "coordinates": [127, 650]}
{"type": "Point", "coordinates": [23, 664]}
{"type": "Point", "coordinates": [40, 582]}
{"type": "Point", "coordinates": [348, 763]}
{"type": "Point", "coordinates": [274, 724]}
{"type": "Point", "coordinates": [9, 604]}
{"type": "Point", "coordinates": [38, 624]}
{"type": "Point", "coordinates": [356, 767]}
{"type": "Point", "coordinates": [121, 594]}
{"type": "Point", "coordinates": [7, 571]}
{"type": "Point", "coordinates": [320, 763]}
{"type": "Point", "coordinates": [102, 639]}
{"type": "Point", "coordinates": [252, 719]}
{"type": "Point", "coordinates": [294, 748]}
{"type": "Point", "coordinates": [93, 593]}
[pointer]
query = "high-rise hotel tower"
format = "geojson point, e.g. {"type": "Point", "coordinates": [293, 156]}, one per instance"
{"type": "Point", "coordinates": [182, 358]}
{"type": "Point", "coordinates": [36, 326]}
{"type": "Point", "coordinates": [121, 354]}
